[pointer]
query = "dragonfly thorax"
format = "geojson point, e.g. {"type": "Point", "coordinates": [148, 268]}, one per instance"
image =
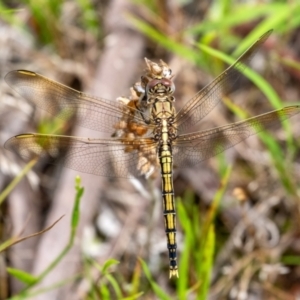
{"type": "Point", "coordinates": [162, 109]}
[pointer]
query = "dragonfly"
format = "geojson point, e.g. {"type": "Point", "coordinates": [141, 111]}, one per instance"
{"type": "Point", "coordinates": [148, 135]}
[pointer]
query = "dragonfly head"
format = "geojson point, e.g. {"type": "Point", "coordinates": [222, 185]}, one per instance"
{"type": "Point", "coordinates": [160, 88]}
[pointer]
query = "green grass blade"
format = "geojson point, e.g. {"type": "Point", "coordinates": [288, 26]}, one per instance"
{"type": "Point", "coordinates": [216, 201]}
{"type": "Point", "coordinates": [133, 297]}
{"type": "Point", "coordinates": [163, 40]}
{"type": "Point", "coordinates": [293, 260]}
{"type": "Point", "coordinates": [184, 261]}
{"type": "Point", "coordinates": [239, 14]}
{"type": "Point", "coordinates": [159, 292]}
{"type": "Point", "coordinates": [75, 215]}
{"type": "Point", "coordinates": [207, 263]}
{"type": "Point", "coordinates": [278, 15]}
{"type": "Point", "coordinates": [104, 292]}
{"type": "Point", "coordinates": [16, 180]}
{"type": "Point", "coordinates": [207, 235]}
{"type": "Point", "coordinates": [258, 80]}
{"type": "Point", "coordinates": [22, 276]}
{"type": "Point", "coordinates": [115, 285]}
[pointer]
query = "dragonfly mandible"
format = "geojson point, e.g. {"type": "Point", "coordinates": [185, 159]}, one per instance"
{"type": "Point", "coordinates": [148, 133]}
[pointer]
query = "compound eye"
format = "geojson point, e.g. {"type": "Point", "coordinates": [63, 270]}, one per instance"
{"type": "Point", "coordinates": [168, 84]}
{"type": "Point", "coordinates": [161, 85]}
{"type": "Point", "coordinates": [152, 84]}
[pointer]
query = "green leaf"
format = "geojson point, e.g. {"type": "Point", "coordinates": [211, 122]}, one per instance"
{"type": "Point", "coordinates": [108, 264]}
{"type": "Point", "coordinates": [22, 276]}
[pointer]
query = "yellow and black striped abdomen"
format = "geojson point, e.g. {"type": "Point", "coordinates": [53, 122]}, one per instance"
{"type": "Point", "coordinates": [166, 163]}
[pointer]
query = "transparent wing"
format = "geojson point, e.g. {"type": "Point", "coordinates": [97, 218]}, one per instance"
{"type": "Point", "coordinates": [103, 157]}
{"type": "Point", "coordinates": [196, 147]}
{"type": "Point", "coordinates": [64, 102]}
{"type": "Point", "coordinates": [205, 100]}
